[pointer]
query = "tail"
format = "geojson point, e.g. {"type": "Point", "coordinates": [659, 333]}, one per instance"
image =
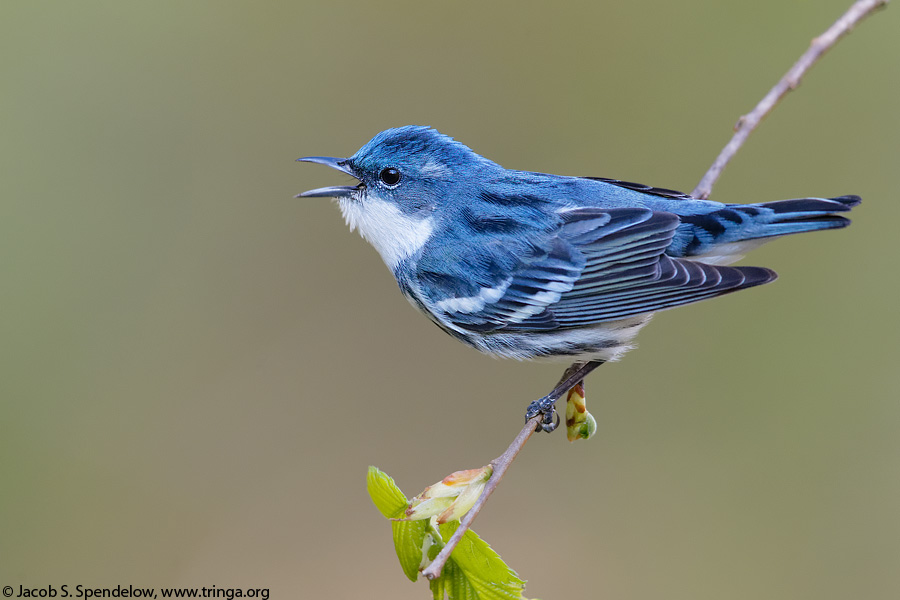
{"type": "Point", "coordinates": [722, 235]}
{"type": "Point", "coordinates": [803, 214]}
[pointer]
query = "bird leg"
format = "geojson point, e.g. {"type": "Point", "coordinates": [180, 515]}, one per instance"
{"type": "Point", "coordinates": [546, 406]}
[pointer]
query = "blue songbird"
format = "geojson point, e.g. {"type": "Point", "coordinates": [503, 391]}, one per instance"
{"type": "Point", "coordinates": [529, 265]}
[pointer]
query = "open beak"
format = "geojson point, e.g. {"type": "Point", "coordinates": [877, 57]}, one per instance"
{"type": "Point", "coordinates": [335, 191]}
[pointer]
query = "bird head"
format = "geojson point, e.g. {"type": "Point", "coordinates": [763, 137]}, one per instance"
{"type": "Point", "coordinates": [406, 176]}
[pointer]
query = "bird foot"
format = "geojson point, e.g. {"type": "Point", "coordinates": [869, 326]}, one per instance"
{"type": "Point", "coordinates": [546, 406]}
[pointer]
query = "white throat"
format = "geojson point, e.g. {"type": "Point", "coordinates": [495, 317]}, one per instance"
{"type": "Point", "coordinates": [396, 236]}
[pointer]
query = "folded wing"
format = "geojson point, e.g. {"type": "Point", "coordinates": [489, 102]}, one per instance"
{"type": "Point", "coordinates": [590, 266]}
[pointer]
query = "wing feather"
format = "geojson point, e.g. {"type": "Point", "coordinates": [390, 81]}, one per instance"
{"type": "Point", "coordinates": [586, 266]}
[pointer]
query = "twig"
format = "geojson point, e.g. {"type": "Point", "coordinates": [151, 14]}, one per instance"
{"type": "Point", "coordinates": [747, 123]}
{"type": "Point", "coordinates": [499, 465]}
{"type": "Point", "coordinates": [744, 126]}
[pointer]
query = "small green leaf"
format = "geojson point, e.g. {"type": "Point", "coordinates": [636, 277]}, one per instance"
{"type": "Point", "coordinates": [409, 536]}
{"type": "Point", "coordinates": [475, 571]}
{"type": "Point", "coordinates": [388, 498]}
{"type": "Point", "coordinates": [451, 584]}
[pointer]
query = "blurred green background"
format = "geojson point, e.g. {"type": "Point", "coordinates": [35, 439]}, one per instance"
{"type": "Point", "coordinates": [197, 368]}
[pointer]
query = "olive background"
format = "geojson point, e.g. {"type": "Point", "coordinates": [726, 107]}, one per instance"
{"type": "Point", "coordinates": [198, 368]}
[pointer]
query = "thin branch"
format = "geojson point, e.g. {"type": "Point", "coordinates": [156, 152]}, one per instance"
{"type": "Point", "coordinates": [747, 123]}
{"type": "Point", "coordinates": [499, 465]}
{"type": "Point", "coordinates": [573, 375]}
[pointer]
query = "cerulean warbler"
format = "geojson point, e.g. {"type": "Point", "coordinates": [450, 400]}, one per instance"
{"type": "Point", "coordinates": [529, 265]}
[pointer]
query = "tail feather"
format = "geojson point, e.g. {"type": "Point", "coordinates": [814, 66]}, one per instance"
{"type": "Point", "coordinates": [799, 224]}
{"type": "Point", "coordinates": [813, 205]}
{"type": "Point", "coordinates": [803, 214]}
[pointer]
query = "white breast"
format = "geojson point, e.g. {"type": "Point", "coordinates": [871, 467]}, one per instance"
{"type": "Point", "coordinates": [396, 236]}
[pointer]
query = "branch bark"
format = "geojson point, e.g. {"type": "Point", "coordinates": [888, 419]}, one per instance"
{"type": "Point", "coordinates": [499, 465]}
{"type": "Point", "coordinates": [745, 125]}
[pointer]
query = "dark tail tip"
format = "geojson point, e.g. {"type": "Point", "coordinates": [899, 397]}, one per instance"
{"type": "Point", "coordinates": [849, 201]}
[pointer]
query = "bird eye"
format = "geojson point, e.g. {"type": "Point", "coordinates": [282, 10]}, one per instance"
{"type": "Point", "coordinates": [390, 176]}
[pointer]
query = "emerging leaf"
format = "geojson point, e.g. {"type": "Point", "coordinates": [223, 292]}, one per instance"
{"type": "Point", "coordinates": [450, 498]}
{"type": "Point", "coordinates": [580, 424]}
{"type": "Point", "coordinates": [474, 571]}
